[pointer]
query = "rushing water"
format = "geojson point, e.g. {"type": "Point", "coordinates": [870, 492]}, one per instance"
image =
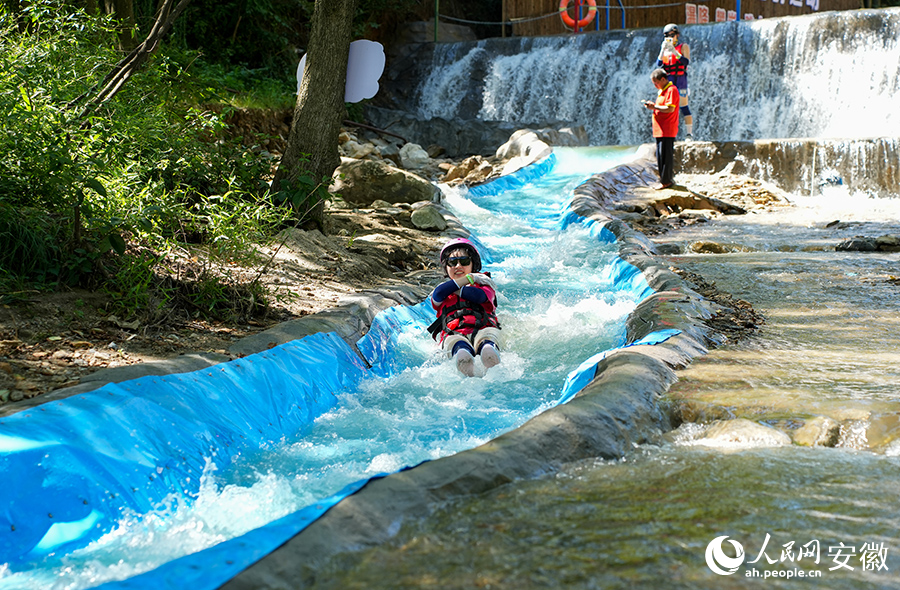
{"type": "Point", "coordinates": [558, 306]}
{"type": "Point", "coordinates": [828, 347]}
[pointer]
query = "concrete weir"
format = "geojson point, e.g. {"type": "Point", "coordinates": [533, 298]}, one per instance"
{"type": "Point", "coordinates": [802, 166]}
{"type": "Point", "coordinates": [617, 409]}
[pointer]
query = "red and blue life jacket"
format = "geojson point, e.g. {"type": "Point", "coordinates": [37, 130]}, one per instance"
{"type": "Point", "coordinates": [461, 316]}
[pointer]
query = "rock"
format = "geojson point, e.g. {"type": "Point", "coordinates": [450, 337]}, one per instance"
{"type": "Point", "coordinates": [373, 238]}
{"type": "Point", "coordinates": [413, 157]}
{"type": "Point", "coordinates": [888, 243]}
{"type": "Point", "coordinates": [743, 433]}
{"type": "Point", "coordinates": [883, 429]}
{"type": "Point", "coordinates": [428, 217]}
{"type": "Point", "coordinates": [484, 171]}
{"type": "Point", "coordinates": [362, 182]}
{"type": "Point", "coordinates": [387, 149]}
{"type": "Point", "coordinates": [818, 432]}
{"type": "Point", "coordinates": [667, 249]}
{"type": "Point", "coordinates": [461, 170]}
{"type": "Point", "coordinates": [857, 244]}
{"type": "Point", "coordinates": [523, 148]}
{"type": "Point", "coordinates": [353, 149]}
{"type": "Point", "coordinates": [631, 218]}
{"type": "Point", "coordinates": [523, 142]}
{"type": "Point", "coordinates": [565, 136]}
{"type": "Point", "coordinates": [461, 137]}
{"type": "Point", "coordinates": [435, 151]}
{"type": "Point", "coordinates": [704, 247]}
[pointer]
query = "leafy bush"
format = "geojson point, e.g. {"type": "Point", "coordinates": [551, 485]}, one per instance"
{"type": "Point", "coordinates": [150, 167]}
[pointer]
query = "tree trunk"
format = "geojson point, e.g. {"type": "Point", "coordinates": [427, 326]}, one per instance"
{"type": "Point", "coordinates": [123, 11]}
{"type": "Point", "coordinates": [312, 148]}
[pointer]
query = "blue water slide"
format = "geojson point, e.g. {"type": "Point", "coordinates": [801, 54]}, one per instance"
{"type": "Point", "coordinates": [74, 467]}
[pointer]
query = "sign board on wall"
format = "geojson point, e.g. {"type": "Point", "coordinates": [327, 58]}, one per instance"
{"type": "Point", "coordinates": [690, 14]}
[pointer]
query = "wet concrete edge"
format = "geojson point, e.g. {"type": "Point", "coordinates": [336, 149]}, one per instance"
{"type": "Point", "coordinates": [617, 410]}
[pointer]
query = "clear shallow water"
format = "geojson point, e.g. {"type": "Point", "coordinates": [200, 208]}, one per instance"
{"type": "Point", "coordinates": [829, 347]}
{"type": "Point", "coordinates": [832, 334]}
{"type": "Point", "coordinates": [558, 306]}
{"type": "Point", "coordinates": [646, 522]}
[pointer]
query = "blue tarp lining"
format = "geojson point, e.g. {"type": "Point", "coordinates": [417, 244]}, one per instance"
{"type": "Point", "coordinates": [587, 370]}
{"type": "Point", "coordinates": [517, 179]}
{"type": "Point", "coordinates": [216, 565]}
{"type": "Point", "coordinates": [376, 345]}
{"type": "Point", "coordinates": [79, 463]}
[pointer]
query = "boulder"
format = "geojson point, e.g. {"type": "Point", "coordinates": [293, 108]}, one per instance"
{"type": "Point", "coordinates": [743, 433]}
{"type": "Point", "coordinates": [818, 432]}
{"type": "Point", "coordinates": [883, 430]}
{"type": "Point", "coordinates": [361, 182]}
{"type": "Point", "coordinates": [888, 243]}
{"type": "Point", "coordinates": [523, 142]}
{"type": "Point", "coordinates": [388, 151]}
{"type": "Point", "coordinates": [413, 157]}
{"type": "Point", "coordinates": [459, 138]}
{"type": "Point", "coordinates": [463, 169]}
{"type": "Point", "coordinates": [707, 247]}
{"type": "Point", "coordinates": [858, 244]}
{"type": "Point", "coordinates": [356, 150]}
{"type": "Point", "coordinates": [428, 217]}
{"type": "Point", "coordinates": [472, 170]}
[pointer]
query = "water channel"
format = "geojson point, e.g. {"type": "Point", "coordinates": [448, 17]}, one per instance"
{"type": "Point", "coordinates": [561, 301]}
{"type": "Point", "coordinates": [828, 348]}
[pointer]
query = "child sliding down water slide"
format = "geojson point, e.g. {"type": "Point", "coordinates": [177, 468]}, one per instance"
{"type": "Point", "coordinates": [466, 306]}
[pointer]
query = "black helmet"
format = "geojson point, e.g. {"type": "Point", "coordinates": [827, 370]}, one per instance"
{"type": "Point", "coordinates": [670, 30]}
{"type": "Point", "coordinates": [465, 245]}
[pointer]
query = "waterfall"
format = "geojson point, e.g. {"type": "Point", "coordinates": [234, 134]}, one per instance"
{"type": "Point", "coordinates": [829, 75]}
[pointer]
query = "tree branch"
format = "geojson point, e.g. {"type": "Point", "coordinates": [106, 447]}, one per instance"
{"type": "Point", "coordinates": [130, 64]}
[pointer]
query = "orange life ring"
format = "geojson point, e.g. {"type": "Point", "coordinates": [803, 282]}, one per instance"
{"type": "Point", "coordinates": [569, 21]}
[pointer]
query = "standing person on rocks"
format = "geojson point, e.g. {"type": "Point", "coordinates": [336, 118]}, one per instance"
{"type": "Point", "coordinates": [674, 58]}
{"type": "Point", "coordinates": [466, 306]}
{"type": "Point", "coordinates": [665, 125]}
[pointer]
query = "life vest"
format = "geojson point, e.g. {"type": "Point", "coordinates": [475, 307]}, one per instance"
{"type": "Point", "coordinates": [461, 316]}
{"type": "Point", "coordinates": [672, 65]}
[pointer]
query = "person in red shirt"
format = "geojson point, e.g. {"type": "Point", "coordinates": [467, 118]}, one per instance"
{"type": "Point", "coordinates": [674, 58]}
{"type": "Point", "coordinates": [665, 125]}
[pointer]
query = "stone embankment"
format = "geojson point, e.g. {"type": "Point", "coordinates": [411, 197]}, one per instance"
{"type": "Point", "coordinates": [802, 166]}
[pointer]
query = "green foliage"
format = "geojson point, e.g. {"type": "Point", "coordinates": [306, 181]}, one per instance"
{"type": "Point", "coordinates": [266, 37]}
{"type": "Point", "coordinates": [134, 286]}
{"type": "Point", "coordinates": [29, 247]}
{"type": "Point", "coordinates": [374, 14]}
{"type": "Point", "coordinates": [242, 87]}
{"type": "Point", "coordinates": [255, 34]}
{"type": "Point", "coordinates": [150, 177]}
{"type": "Point", "coordinates": [303, 192]}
